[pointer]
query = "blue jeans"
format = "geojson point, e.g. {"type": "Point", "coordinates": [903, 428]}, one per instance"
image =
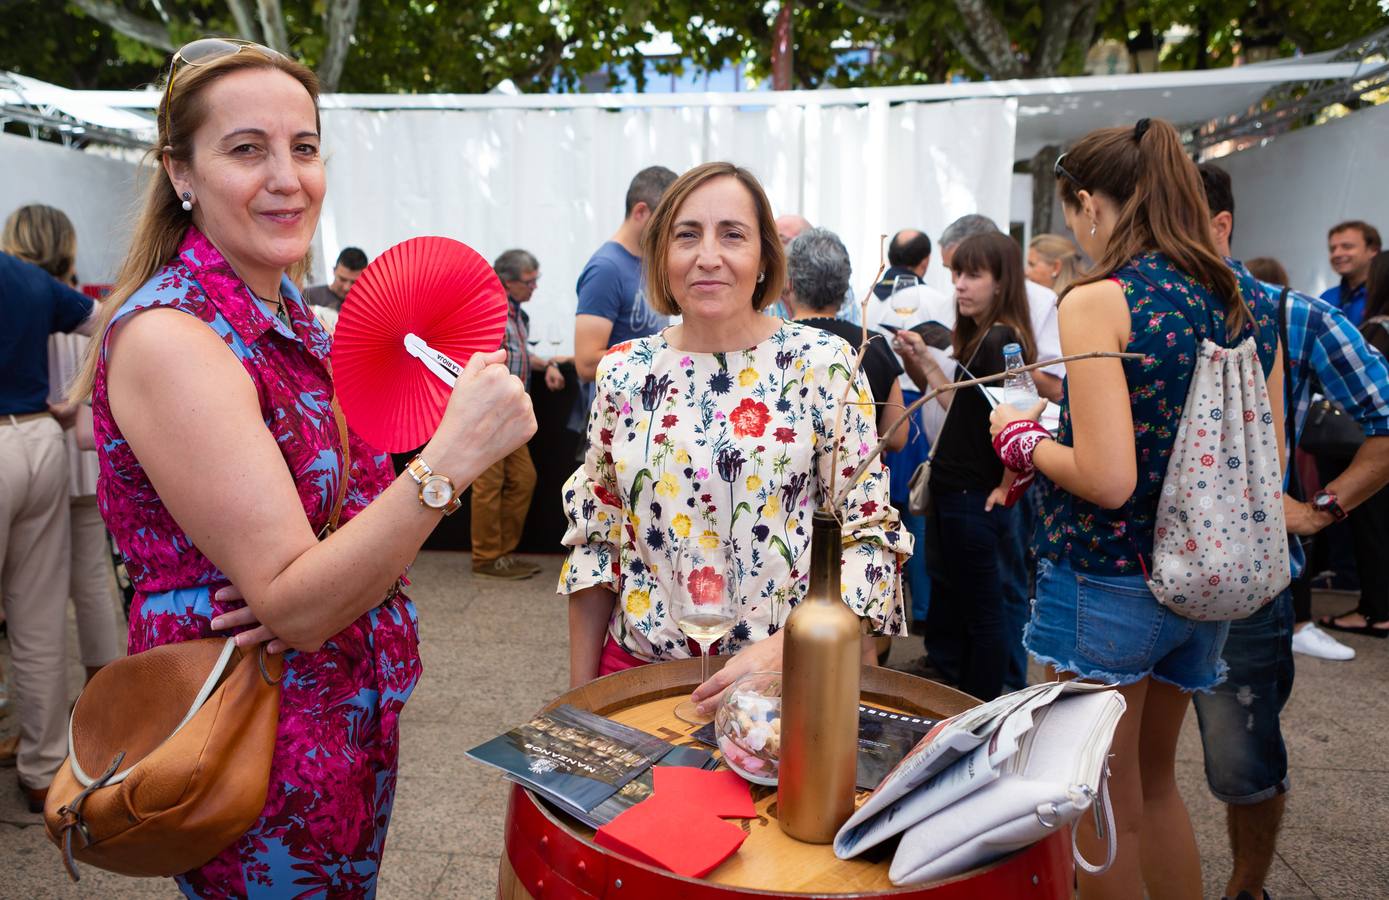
{"type": "Point", "coordinates": [1246, 760]}
{"type": "Point", "coordinates": [1017, 590]}
{"type": "Point", "coordinates": [967, 607]}
{"type": "Point", "coordinates": [918, 581]}
{"type": "Point", "coordinates": [1111, 628]}
{"type": "Point", "coordinates": [901, 464]}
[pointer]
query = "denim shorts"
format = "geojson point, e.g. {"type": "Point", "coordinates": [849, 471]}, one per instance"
{"type": "Point", "coordinates": [1111, 628]}
{"type": "Point", "coordinates": [1246, 760]}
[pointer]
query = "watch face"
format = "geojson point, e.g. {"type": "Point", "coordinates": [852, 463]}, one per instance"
{"type": "Point", "coordinates": [436, 492]}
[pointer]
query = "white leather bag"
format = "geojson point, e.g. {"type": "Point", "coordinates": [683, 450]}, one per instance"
{"type": "Point", "coordinates": [1058, 772]}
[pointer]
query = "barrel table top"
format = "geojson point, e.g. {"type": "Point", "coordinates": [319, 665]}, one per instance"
{"type": "Point", "coordinates": [549, 854]}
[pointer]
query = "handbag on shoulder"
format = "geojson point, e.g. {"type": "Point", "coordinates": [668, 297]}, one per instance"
{"type": "Point", "coordinates": [169, 750]}
{"type": "Point", "coordinates": [169, 759]}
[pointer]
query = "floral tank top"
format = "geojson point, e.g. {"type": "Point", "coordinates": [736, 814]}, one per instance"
{"type": "Point", "coordinates": [1170, 313]}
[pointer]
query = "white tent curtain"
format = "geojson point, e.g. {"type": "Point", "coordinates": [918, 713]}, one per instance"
{"type": "Point", "coordinates": [553, 181]}
{"type": "Point", "coordinates": [98, 193]}
{"type": "Point", "coordinates": [1290, 191]}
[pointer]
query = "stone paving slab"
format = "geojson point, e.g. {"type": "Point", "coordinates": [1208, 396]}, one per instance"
{"type": "Point", "coordinates": [494, 652]}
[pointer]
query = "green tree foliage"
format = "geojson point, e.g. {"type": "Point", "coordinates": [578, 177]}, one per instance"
{"type": "Point", "coordinates": [541, 45]}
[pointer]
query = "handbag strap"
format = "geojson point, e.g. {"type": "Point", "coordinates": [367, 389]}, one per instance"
{"type": "Point", "coordinates": [930, 457]}
{"type": "Point", "coordinates": [1104, 826]}
{"type": "Point", "coordinates": [336, 514]}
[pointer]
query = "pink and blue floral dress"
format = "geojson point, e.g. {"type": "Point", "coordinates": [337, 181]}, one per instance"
{"type": "Point", "coordinates": [333, 775]}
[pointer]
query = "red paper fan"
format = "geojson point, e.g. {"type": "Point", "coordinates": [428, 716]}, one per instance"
{"type": "Point", "coordinates": [433, 287]}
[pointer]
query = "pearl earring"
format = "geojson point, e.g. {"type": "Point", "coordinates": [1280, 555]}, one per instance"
{"type": "Point", "coordinates": [761, 277]}
{"type": "Point", "coordinates": [188, 203]}
{"type": "Point", "coordinates": [1093, 226]}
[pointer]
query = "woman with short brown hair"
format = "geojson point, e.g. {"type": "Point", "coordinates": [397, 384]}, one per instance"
{"type": "Point", "coordinates": [720, 430]}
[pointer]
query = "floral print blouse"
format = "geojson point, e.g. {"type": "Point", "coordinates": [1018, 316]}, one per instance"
{"type": "Point", "coordinates": [728, 446]}
{"type": "Point", "coordinates": [1170, 314]}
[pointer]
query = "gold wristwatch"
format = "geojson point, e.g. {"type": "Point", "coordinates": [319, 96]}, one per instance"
{"type": "Point", "coordinates": [436, 491]}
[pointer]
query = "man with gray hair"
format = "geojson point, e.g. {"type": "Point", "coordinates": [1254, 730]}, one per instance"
{"type": "Point", "coordinates": [817, 275]}
{"type": "Point", "coordinates": [502, 493]}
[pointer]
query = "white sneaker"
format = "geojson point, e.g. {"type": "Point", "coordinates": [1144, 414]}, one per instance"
{"type": "Point", "coordinates": [1312, 641]}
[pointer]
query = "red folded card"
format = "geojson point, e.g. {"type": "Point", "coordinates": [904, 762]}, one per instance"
{"type": "Point", "coordinates": [672, 836]}
{"type": "Point", "coordinates": [720, 793]}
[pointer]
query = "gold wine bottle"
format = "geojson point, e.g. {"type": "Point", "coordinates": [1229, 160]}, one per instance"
{"type": "Point", "coordinates": [821, 655]}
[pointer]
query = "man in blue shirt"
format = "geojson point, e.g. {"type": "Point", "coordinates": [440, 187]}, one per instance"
{"type": "Point", "coordinates": [34, 549]}
{"type": "Point", "coordinates": [1351, 245]}
{"type": "Point", "coordinates": [1246, 760]}
{"type": "Point", "coordinates": [612, 301]}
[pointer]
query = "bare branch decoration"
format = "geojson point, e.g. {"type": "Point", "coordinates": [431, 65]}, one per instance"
{"type": "Point", "coordinates": [839, 498]}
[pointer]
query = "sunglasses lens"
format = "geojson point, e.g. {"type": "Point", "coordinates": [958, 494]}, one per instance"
{"type": "Point", "coordinates": [207, 49]}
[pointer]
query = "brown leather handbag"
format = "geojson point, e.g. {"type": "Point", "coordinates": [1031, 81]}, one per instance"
{"type": "Point", "coordinates": [169, 750]}
{"type": "Point", "coordinates": [169, 759]}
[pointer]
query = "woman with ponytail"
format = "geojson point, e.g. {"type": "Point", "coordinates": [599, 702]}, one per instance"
{"type": "Point", "coordinates": [224, 462]}
{"type": "Point", "coordinates": [1135, 203]}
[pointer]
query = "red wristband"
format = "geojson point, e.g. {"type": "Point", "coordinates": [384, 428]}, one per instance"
{"type": "Point", "coordinates": [1015, 443]}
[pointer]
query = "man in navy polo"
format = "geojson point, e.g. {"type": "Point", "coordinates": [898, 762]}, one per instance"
{"type": "Point", "coordinates": [34, 534]}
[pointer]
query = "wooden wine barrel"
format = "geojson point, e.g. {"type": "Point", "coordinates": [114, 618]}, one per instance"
{"type": "Point", "coordinates": [549, 856]}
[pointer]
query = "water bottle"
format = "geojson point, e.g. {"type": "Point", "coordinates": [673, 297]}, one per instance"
{"type": "Point", "coordinates": [1019, 390]}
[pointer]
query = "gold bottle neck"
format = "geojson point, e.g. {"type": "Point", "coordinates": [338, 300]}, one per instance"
{"type": "Point", "coordinates": [826, 548]}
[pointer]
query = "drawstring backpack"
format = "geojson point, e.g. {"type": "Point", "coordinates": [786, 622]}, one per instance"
{"type": "Point", "coordinates": [1220, 542]}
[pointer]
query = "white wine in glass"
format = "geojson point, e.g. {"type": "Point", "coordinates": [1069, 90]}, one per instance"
{"type": "Point", "coordinates": [904, 300]}
{"type": "Point", "coordinates": [704, 608]}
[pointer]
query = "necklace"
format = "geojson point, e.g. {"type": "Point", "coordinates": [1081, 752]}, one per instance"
{"type": "Point", "coordinates": [281, 311]}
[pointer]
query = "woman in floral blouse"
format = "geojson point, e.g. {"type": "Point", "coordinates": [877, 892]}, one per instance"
{"type": "Point", "coordinates": [720, 428]}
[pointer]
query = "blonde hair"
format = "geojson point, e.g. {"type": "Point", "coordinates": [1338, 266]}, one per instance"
{"type": "Point", "coordinates": [162, 222]}
{"type": "Point", "coordinates": [1055, 248]}
{"type": "Point", "coordinates": [43, 236]}
{"type": "Point", "coordinates": [655, 242]}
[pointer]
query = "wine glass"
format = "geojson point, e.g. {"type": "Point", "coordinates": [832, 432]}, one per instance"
{"type": "Point", "coordinates": [554, 336]}
{"type": "Point", "coordinates": [703, 606]}
{"type": "Point", "coordinates": [904, 300]}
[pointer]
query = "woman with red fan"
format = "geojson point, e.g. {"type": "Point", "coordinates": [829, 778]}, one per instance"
{"type": "Point", "coordinates": [224, 460]}
{"type": "Point", "coordinates": [720, 431]}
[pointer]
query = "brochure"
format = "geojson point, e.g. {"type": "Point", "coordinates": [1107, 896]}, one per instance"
{"type": "Point", "coordinates": [636, 790]}
{"type": "Point", "coordinates": [576, 757]}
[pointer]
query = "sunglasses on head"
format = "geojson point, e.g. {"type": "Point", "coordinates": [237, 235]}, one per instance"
{"type": "Point", "coordinates": [1060, 172]}
{"type": "Point", "coordinates": [200, 53]}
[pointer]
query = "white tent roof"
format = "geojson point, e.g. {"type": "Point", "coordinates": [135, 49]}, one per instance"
{"type": "Point", "coordinates": [1050, 110]}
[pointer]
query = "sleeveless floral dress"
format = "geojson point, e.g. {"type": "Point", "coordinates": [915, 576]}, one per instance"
{"type": "Point", "coordinates": [333, 775]}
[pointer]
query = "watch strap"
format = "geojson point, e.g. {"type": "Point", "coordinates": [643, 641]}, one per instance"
{"type": "Point", "coordinates": [1328, 501]}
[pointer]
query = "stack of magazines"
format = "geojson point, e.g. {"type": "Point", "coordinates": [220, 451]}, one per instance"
{"type": "Point", "coordinates": [585, 764]}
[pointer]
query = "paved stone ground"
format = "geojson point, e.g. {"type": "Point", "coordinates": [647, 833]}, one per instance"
{"type": "Point", "coordinates": [493, 653]}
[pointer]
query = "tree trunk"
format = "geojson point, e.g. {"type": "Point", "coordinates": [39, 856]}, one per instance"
{"type": "Point", "coordinates": [782, 49]}
{"type": "Point", "coordinates": [272, 25]}
{"type": "Point", "coordinates": [340, 19]}
{"type": "Point", "coordinates": [246, 23]}
{"type": "Point", "coordinates": [1043, 188]}
{"type": "Point", "coordinates": [146, 31]}
{"type": "Point", "coordinates": [991, 39]}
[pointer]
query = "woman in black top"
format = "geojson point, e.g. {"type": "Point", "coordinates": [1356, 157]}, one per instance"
{"type": "Point", "coordinates": [967, 480]}
{"type": "Point", "coordinates": [817, 278]}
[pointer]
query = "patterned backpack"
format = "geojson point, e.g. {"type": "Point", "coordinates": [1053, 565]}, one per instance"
{"type": "Point", "coordinates": [1220, 542]}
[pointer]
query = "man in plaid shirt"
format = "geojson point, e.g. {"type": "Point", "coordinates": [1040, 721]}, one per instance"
{"type": "Point", "coordinates": [502, 494]}
{"type": "Point", "coordinates": [1246, 760]}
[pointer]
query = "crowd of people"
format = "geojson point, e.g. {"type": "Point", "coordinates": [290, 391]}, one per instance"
{"type": "Point", "coordinates": [730, 383]}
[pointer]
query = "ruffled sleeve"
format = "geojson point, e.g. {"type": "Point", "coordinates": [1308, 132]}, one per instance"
{"type": "Point", "coordinates": [875, 544]}
{"type": "Point", "coordinates": [592, 505]}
